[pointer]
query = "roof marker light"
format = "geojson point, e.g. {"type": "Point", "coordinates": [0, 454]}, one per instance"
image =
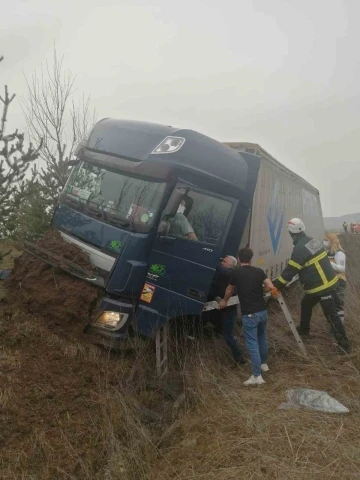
{"type": "Point", "coordinates": [169, 145]}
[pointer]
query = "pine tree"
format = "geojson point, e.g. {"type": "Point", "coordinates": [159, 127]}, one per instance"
{"type": "Point", "coordinates": [15, 160]}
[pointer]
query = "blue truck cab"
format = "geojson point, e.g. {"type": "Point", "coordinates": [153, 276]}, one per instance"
{"type": "Point", "coordinates": [155, 208]}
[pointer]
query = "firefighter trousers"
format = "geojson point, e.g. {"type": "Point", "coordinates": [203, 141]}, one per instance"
{"type": "Point", "coordinates": [328, 304]}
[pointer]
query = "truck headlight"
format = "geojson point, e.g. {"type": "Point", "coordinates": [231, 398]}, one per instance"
{"type": "Point", "coordinates": [169, 145]}
{"type": "Point", "coordinates": [111, 320]}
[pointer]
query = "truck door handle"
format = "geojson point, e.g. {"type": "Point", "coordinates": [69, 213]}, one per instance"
{"type": "Point", "coordinates": [193, 292]}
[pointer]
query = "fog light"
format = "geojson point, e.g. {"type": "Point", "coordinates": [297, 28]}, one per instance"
{"type": "Point", "coordinates": [111, 320]}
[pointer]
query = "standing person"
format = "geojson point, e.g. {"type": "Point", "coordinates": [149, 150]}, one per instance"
{"type": "Point", "coordinates": [251, 283]}
{"type": "Point", "coordinates": [345, 227]}
{"type": "Point", "coordinates": [309, 260]}
{"type": "Point", "coordinates": [352, 229]}
{"type": "Point", "coordinates": [337, 258]}
{"type": "Point", "coordinates": [225, 319]}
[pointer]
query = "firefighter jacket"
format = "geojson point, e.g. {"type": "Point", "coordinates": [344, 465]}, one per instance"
{"type": "Point", "coordinates": [309, 260]}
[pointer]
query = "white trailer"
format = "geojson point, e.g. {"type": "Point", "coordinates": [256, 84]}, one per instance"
{"type": "Point", "coordinates": [280, 195]}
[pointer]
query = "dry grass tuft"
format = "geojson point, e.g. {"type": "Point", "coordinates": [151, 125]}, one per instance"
{"type": "Point", "coordinates": [6, 397]}
{"type": "Point", "coordinates": [8, 252]}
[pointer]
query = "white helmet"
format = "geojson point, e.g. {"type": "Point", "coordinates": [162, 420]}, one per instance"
{"type": "Point", "coordinates": [295, 225]}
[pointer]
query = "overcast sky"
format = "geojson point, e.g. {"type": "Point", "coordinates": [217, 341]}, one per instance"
{"type": "Point", "coordinates": [281, 73]}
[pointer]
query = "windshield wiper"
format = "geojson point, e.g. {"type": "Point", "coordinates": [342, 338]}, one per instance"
{"type": "Point", "coordinates": [94, 208]}
{"type": "Point", "coordinates": [71, 201]}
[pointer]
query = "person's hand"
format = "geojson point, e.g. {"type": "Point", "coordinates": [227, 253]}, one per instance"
{"type": "Point", "coordinates": [278, 285]}
{"type": "Point", "coordinates": [275, 293]}
{"type": "Point", "coordinates": [222, 304]}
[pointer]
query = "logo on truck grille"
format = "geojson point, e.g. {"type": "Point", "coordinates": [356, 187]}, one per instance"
{"type": "Point", "coordinates": [275, 218]}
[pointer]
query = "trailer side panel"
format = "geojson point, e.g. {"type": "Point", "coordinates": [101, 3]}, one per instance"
{"type": "Point", "coordinates": [280, 194]}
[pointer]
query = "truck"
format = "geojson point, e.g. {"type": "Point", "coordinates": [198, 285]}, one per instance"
{"type": "Point", "coordinates": [156, 207]}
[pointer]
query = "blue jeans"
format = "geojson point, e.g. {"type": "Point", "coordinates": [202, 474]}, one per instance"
{"type": "Point", "coordinates": [228, 319]}
{"type": "Point", "coordinates": [254, 328]}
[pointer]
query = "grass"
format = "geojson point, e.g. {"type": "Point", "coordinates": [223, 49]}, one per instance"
{"type": "Point", "coordinates": [241, 433]}
{"type": "Point", "coordinates": [72, 411]}
{"type": "Point", "coordinates": [229, 432]}
{"type": "Point", "coordinates": [7, 254]}
{"type": "Point", "coordinates": [235, 433]}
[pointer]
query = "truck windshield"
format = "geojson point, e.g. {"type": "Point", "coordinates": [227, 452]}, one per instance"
{"type": "Point", "coordinates": [114, 197]}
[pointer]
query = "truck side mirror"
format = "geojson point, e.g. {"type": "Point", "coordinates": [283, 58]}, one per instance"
{"type": "Point", "coordinates": [173, 203]}
{"type": "Point", "coordinates": [72, 163]}
{"type": "Point", "coordinates": [164, 228]}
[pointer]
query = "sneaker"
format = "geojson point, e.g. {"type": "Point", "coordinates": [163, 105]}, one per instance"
{"type": "Point", "coordinates": [264, 367]}
{"type": "Point", "coordinates": [255, 381]}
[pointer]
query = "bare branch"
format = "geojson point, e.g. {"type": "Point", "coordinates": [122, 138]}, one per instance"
{"type": "Point", "coordinates": [55, 119]}
{"type": "Point", "coordinates": [6, 100]}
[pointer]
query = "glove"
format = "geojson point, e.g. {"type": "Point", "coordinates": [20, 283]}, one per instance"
{"type": "Point", "coordinates": [278, 285]}
{"type": "Point", "coordinates": [275, 293]}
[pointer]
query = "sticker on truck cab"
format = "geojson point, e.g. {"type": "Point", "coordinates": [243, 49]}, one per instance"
{"type": "Point", "coordinates": [147, 293]}
{"type": "Point", "coordinates": [115, 245]}
{"type": "Point", "coordinates": [157, 269]}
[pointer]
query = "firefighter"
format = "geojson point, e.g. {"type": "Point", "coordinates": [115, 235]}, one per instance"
{"type": "Point", "coordinates": [309, 260]}
{"type": "Point", "coordinates": [337, 258]}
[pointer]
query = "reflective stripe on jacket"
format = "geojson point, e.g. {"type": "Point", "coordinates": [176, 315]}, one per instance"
{"type": "Point", "coordinates": [309, 260]}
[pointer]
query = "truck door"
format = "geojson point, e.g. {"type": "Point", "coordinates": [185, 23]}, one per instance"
{"type": "Point", "coordinates": [188, 247]}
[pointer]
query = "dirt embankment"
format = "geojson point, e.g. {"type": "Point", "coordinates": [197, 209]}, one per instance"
{"type": "Point", "coordinates": [63, 301]}
{"type": "Point", "coordinates": [62, 400]}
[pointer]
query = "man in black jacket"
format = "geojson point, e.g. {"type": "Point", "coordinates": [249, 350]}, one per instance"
{"type": "Point", "coordinates": [309, 260]}
{"type": "Point", "coordinates": [225, 319]}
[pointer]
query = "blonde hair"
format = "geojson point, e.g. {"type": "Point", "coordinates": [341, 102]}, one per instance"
{"type": "Point", "coordinates": [334, 241]}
